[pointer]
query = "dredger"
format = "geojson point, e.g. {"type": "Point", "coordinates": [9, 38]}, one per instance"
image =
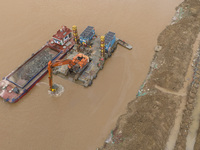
{"type": "Point", "coordinates": [73, 57]}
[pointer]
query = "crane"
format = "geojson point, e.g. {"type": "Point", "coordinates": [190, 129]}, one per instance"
{"type": "Point", "coordinates": [77, 65]}
{"type": "Point", "coordinates": [51, 65]}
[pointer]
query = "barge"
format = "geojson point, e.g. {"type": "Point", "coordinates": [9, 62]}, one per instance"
{"type": "Point", "coordinates": [90, 48]}
{"type": "Point", "coordinates": [78, 59]}
{"type": "Point", "coordinates": [20, 81]}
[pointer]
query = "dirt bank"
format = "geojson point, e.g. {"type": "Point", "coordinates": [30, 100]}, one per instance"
{"type": "Point", "coordinates": [80, 118]}
{"type": "Point", "coordinates": [197, 143]}
{"type": "Point", "coordinates": [151, 116]}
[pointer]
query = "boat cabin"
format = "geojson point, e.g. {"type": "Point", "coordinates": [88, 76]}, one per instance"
{"type": "Point", "coordinates": [62, 36]}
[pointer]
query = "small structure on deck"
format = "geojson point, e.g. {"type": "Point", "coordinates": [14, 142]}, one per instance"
{"type": "Point", "coordinates": [87, 35]}
{"type": "Point", "coordinates": [71, 57]}
{"type": "Point", "coordinates": [109, 40]}
{"type": "Point", "coordinates": [62, 36]}
{"type": "Point", "coordinates": [62, 40]}
{"type": "Point", "coordinates": [97, 49]}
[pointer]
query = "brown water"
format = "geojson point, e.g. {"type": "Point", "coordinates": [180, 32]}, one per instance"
{"type": "Point", "coordinates": [81, 118]}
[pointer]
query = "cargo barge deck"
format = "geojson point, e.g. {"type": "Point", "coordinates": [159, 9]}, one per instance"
{"type": "Point", "coordinates": [78, 59]}
{"type": "Point", "coordinates": [20, 81]}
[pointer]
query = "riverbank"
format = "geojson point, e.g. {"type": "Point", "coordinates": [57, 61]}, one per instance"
{"type": "Point", "coordinates": [80, 118]}
{"type": "Point", "coordinates": [152, 115]}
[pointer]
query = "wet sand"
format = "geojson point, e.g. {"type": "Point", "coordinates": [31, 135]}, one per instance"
{"type": "Point", "coordinates": [82, 117]}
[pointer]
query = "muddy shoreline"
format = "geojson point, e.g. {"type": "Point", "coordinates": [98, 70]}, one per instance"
{"type": "Point", "coordinates": [151, 116]}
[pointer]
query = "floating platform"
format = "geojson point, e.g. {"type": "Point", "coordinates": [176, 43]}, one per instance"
{"type": "Point", "coordinates": [20, 81]}
{"type": "Point", "coordinates": [96, 62]}
{"type": "Point", "coordinates": [62, 46]}
{"type": "Point", "coordinates": [124, 44]}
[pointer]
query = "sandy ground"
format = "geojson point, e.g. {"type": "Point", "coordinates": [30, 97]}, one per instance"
{"type": "Point", "coordinates": [81, 118]}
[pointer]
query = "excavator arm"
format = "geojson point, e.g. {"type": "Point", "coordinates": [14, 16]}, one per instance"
{"type": "Point", "coordinates": [80, 60]}
{"type": "Point", "coordinates": [51, 65]}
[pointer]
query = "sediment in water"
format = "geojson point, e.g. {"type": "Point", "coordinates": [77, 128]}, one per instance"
{"type": "Point", "coordinates": [58, 92]}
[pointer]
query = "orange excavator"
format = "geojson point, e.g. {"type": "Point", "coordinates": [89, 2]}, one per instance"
{"type": "Point", "coordinates": [76, 65]}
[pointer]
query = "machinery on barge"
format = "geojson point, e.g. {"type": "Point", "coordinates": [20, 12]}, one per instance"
{"type": "Point", "coordinates": [75, 66]}
{"type": "Point", "coordinates": [67, 55]}
{"type": "Point", "coordinates": [20, 81]}
{"type": "Point", "coordinates": [96, 48]}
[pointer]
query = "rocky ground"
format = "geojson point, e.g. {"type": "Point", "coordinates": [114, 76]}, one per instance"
{"type": "Point", "coordinates": [152, 115]}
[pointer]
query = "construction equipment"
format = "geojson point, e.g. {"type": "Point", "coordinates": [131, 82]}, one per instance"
{"type": "Point", "coordinates": [72, 57]}
{"type": "Point", "coordinates": [109, 40]}
{"type": "Point", "coordinates": [76, 66]}
{"type": "Point", "coordinates": [87, 35]}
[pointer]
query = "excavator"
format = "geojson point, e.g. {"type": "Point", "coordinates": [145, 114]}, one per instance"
{"type": "Point", "coordinates": [77, 65]}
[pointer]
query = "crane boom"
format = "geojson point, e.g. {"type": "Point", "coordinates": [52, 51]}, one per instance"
{"type": "Point", "coordinates": [55, 64]}
{"type": "Point", "coordinates": [77, 64]}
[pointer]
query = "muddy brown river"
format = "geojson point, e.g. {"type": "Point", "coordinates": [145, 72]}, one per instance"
{"type": "Point", "coordinates": [81, 118]}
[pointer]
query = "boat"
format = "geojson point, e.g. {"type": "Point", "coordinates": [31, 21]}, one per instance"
{"type": "Point", "coordinates": [87, 52]}
{"type": "Point", "coordinates": [97, 49]}
{"type": "Point", "coordinates": [20, 81]}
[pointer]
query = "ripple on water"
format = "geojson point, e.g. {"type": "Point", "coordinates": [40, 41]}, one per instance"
{"type": "Point", "coordinates": [58, 92]}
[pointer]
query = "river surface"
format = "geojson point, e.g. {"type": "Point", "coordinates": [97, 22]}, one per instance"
{"type": "Point", "coordinates": [81, 118]}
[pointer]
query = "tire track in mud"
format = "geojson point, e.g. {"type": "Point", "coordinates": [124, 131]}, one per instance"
{"type": "Point", "coordinates": [189, 107]}
{"type": "Point", "coordinates": [170, 92]}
